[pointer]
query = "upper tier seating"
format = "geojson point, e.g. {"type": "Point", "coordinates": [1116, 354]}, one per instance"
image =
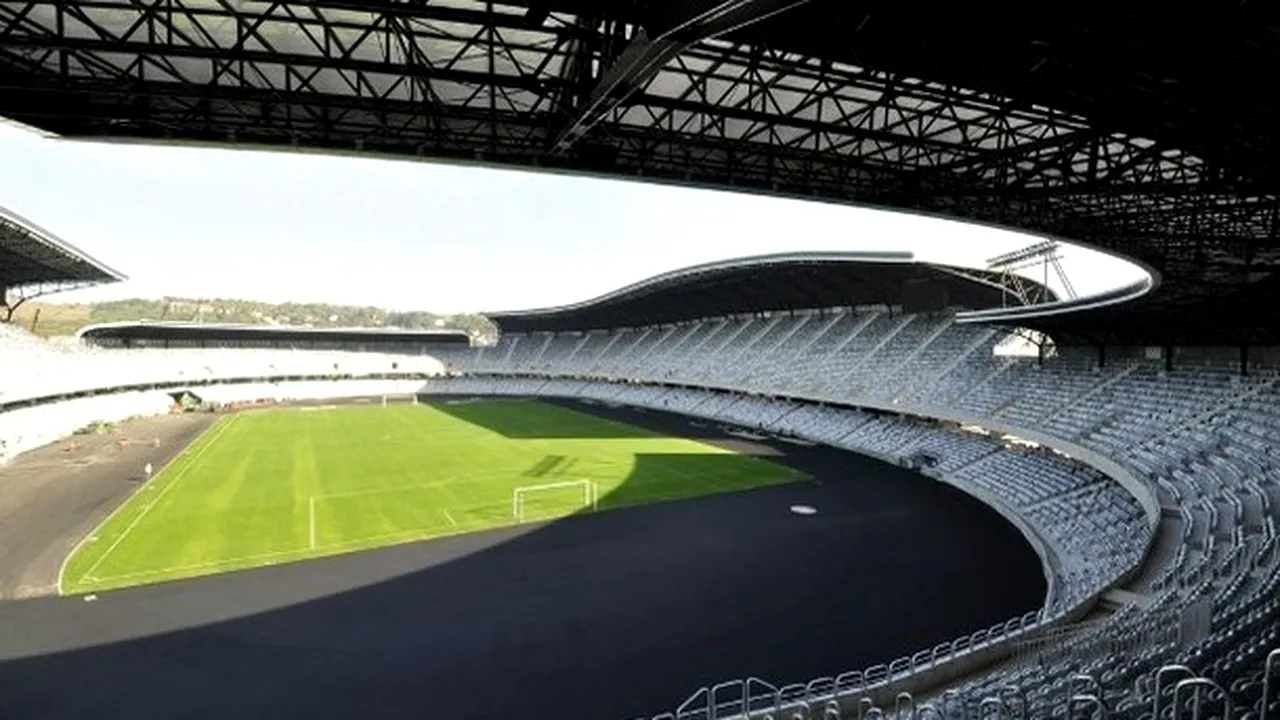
{"type": "Point", "coordinates": [36, 368]}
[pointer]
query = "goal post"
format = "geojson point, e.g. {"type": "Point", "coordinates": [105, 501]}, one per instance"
{"type": "Point", "coordinates": [565, 498]}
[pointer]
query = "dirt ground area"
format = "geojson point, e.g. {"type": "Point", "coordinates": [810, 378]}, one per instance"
{"type": "Point", "coordinates": [53, 496]}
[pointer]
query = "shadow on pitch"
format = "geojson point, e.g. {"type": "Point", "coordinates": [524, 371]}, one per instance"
{"type": "Point", "coordinates": [605, 615]}
{"type": "Point", "coordinates": [563, 419]}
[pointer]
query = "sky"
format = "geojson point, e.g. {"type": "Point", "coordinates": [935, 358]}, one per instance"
{"type": "Point", "coordinates": [414, 235]}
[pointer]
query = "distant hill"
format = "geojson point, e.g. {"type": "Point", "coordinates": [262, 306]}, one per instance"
{"type": "Point", "coordinates": [55, 319]}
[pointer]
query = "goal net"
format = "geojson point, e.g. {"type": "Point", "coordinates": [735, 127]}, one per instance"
{"type": "Point", "coordinates": [539, 502]}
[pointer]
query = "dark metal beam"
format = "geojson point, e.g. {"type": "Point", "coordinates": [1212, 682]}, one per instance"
{"type": "Point", "coordinates": [237, 55]}
{"type": "Point", "coordinates": [644, 56]}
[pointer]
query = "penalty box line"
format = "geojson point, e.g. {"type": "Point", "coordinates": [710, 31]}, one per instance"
{"type": "Point", "coordinates": [261, 560]}
{"type": "Point", "coordinates": [189, 463]}
{"type": "Point", "coordinates": [312, 522]}
{"type": "Point", "coordinates": [311, 500]}
{"type": "Point", "coordinates": [313, 544]}
{"type": "Point", "coordinates": [462, 480]}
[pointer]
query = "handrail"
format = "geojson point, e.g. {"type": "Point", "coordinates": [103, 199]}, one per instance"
{"type": "Point", "coordinates": [1198, 684]}
{"type": "Point", "coordinates": [1091, 700]}
{"type": "Point", "coordinates": [881, 675]}
{"type": "Point", "coordinates": [1189, 697]}
{"type": "Point", "coordinates": [1163, 672]}
{"type": "Point", "coordinates": [1269, 670]}
{"type": "Point", "coordinates": [904, 702]}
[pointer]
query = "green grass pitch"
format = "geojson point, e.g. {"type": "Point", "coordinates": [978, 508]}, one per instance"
{"type": "Point", "coordinates": [272, 486]}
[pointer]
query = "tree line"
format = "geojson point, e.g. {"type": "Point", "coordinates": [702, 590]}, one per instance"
{"type": "Point", "coordinates": [53, 319]}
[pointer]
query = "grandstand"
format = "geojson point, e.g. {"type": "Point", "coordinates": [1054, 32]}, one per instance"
{"type": "Point", "coordinates": [172, 335]}
{"type": "Point", "coordinates": [55, 389]}
{"type": "Point", "coordinates": [1146, 483]}
{"type": "Point", "coordinates": [1172, 443]}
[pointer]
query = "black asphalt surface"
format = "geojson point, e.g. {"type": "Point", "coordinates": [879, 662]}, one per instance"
{"type": "Point", "coordinates": [609, 615]}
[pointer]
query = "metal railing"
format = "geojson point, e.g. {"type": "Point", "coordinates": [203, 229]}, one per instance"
{"type": "Point", "coordinates": [755, 696]}
{"type": "Point", "coordinates": [1176, 693]}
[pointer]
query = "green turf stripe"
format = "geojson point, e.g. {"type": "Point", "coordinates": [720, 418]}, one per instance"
{"type": "Point", "coordinates": [94, 548]}
{"type": "Point", "coordinates": [249, 491]}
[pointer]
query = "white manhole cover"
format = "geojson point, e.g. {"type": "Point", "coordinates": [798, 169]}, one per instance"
{"type": "Point", "coordinates": [804, 510]}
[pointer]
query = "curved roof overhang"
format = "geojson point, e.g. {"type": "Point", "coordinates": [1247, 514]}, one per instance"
{"type": "Point", "coordinates": [31, 256]}
{"type": "Point", "coordinates": [215, 332]}
{"type": "Point", "coordinates": [770, 283]}
{"type": "Point", "coordinates": [1033, 314]}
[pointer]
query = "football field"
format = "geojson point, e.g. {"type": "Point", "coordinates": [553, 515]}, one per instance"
{"type": "Point", "coordinates": [271, 486]}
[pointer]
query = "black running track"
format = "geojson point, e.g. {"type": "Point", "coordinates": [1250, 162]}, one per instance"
{"type": "Point", "coordinates": [608, 616]}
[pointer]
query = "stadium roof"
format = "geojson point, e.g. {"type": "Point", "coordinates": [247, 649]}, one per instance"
{"type": "Point", "coordinates": [30, 255]}
{"type": "Point", "coordinates": [1144, 128]}
{"type": "Point", "coordinates": [217, 332]}
{"type": "Point", "coordinates": [770, 283]}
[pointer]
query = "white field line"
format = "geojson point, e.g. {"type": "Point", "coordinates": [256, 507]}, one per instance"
{"type": "Point", "coordinates": [431, 434]}
{"type": "Point", "coordinates": [297, 553]}
{"type": "Point", "coordinates": [416, 486]}
{"type": "Point", "coordinates": [92, 535]}
{"type": "Point", "coordinates": [300, 552]}
{"type": "Point", "coordinates": [409, 535]}
{"type": "Point", "coordinates": [308, 552]}
{"type": "Point", "coordinates": [159, 496]}
{"type": "Point", "coordinates": [396, 537]}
